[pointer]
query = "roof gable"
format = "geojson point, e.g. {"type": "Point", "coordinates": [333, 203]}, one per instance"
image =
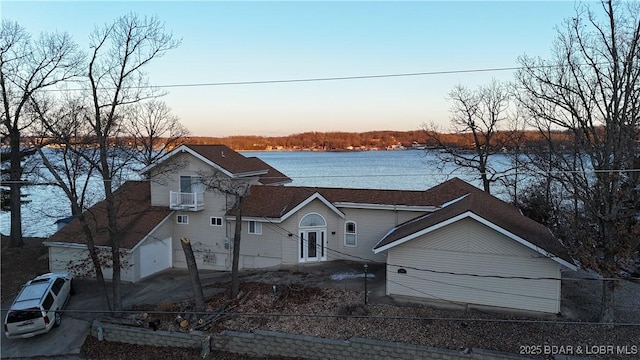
{"type": "Point", "coordinates": [229, 162]}
{"type": "Point", "coordinates": [315, 196]}
{"type": "Point", "coordinates": [490, 211]}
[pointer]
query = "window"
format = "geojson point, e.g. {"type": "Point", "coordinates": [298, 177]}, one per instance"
{"type": "Point", "coordinates": [48, 301]}
{"type": "Point", "coordinates": [191, 184]}
{"type": "Point", "coordinates": [182, 219]}
{"type": "Point", "coordinates": [216, 221]}
{"type": "Point", "coordinates": [255, 227]}
{"type": "Point", "coordinates": [57, 285]}
{"type": "Point", "coordinates": [350, 236]}
{"type": "Point", "coordinates": [312, 220]}
{"type": "Point", "coordinates": [23, 315]}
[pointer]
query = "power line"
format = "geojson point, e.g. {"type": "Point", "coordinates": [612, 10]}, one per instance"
{"type": "Point", "coordinates": [321, 79]}
{"type": "Point", "coordinates": [403, 175]}
{"type": "Point", "coordinates": [341, 78]}
{"type": "Point", "coordinates": [350, 256]}
{"type": "Point", "coordinates": [506, 277]}
{"type": "Point", "coordinates": [366, 317]}
{"type": "Point", "coordinates": [454, 173]}
{"type": "Point", "coordinates": [336, 78]}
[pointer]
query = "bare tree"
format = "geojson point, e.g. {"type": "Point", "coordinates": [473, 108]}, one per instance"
{"type": "Point", "coordinates": [480, 115]}
{"type": "Point", "coordinates": [73, 173]}
{"type": "Point", "coordinates": [27, 67]}
{"type": "Point", "coordinates": [590, 91]}
{"type": "Point", "coordinates": [116, 79]}
{"type": "Point", "coordinates": [153, 130]}
{"type": "Point", "coordinates": [238, 190]}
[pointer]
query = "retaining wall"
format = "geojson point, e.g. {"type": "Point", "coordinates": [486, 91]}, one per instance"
{"type": "Point", "coordinates": [144, 336]}
{"type": "Point", "coordinates": [269, 343]}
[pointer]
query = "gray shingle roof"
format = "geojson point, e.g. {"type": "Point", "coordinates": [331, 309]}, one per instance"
{"type": "Point", "coordinates": [273, 202]}
{"type": "Point", "coordinates": [490, 208]}
{"type": "Point", "coordinates": [236, 163]}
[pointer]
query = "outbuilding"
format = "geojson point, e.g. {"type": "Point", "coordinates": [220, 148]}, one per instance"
{"type": "Point", "coordinates": [478, 250]}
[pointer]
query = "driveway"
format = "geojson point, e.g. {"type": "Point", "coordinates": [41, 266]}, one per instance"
{"type": "Point", "coordinates": [173, 286]}
{"type": "Point", "coordinates": [87, 304]}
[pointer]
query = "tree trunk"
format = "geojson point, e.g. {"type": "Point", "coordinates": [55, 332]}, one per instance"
{"type": "Point", "coordinates": [608, 302]}
{"type": "Point", "coordinates": [116, 280]}
{"type": "Point", "coordinates": [97, 265]}
{"type": "Point", "coordinates": [235, 276]}
{"type": "Point", "coordinates": [196, 285]}
{"type": "Point", "coordinates": [15, 201]}
{"type": "Point", "coordinates": [114, 237]}
{"type": "Point", "coordinates": [607, 315]}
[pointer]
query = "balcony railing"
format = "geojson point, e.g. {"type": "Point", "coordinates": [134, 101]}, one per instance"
{"type": "Point", "coordinates": [186, 201]}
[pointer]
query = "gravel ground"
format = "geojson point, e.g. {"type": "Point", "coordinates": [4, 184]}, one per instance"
{"type": "Point", "coordinates": [341, 314]}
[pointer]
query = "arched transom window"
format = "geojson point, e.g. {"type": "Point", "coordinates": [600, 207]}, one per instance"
{"type": "Point", "coordinates": [312, 220]}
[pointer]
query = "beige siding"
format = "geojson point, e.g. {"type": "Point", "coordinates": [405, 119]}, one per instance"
{"type": "Point", "coordinates": [211, 244]}
{"type": "Point", "coordinates": [164, 181]}
{"type": "Point", "coordinates": [371, 226]}
{"type": "Point", "coordinates": [266, 244]}
{"type": "Point", "coordinates": [208, 242]}
{"type": "Point", "coordinates": [213, 252]}
{"type": "Point", "coordinates": [468, 235]}
{"type": "Point", "coordinates": [493, 256]}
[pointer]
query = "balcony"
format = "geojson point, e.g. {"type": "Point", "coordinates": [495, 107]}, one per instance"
{"type": "Point", "coordinates": [186, 201]}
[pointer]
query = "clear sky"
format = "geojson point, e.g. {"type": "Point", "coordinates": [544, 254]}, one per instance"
{"type": "Point", "coordinates": [239, 41]}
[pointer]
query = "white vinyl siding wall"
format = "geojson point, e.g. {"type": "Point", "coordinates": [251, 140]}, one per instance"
{"type": "Point", "coordinates": [291, 245]}
{"type": "Point", "coordinates": [469, 247]}
{"type": "Point", "coordinates": [166, 182]}
{"type": "Point", "coordinates": [208, 242]}
{"type": "Point", "coordinates": [76, 260]}
{"type": "Point", "coordinates": [260, 250]}
{"type": "Point", "coordinates": [372, 225]}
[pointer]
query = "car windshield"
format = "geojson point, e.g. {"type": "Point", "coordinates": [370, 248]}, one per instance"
{"type": "Point", "coordinates": [15, 316]}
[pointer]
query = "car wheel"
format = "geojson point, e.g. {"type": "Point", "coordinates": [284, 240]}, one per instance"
{"type": "Point", "coordinates": [57, 320]}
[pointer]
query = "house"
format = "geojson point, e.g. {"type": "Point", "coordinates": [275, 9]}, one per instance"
{"type": "Point", "coordinates": [449, 242]}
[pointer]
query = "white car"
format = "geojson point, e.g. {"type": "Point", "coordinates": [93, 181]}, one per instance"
{"type": "Point", "coordinates": [37, 308]}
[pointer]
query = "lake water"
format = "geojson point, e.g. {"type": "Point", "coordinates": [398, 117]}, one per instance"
{"type": "Point", "coordinates": [400, 170]}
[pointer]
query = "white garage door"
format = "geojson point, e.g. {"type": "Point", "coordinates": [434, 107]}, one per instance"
{"type": "Point", "coordinates": [155, 255]}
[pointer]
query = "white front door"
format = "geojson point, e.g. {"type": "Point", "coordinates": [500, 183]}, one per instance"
{"type": "Point", "coordinates": [313, 245]}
